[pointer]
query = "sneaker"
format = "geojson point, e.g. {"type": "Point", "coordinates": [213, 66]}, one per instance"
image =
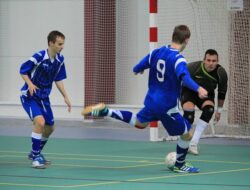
{"type": "Point", "coordinates": [186, 168]}
{"type": "Point", "coordinates": [193, 149]}
{"type": "Point", "coordinates": [97, 110]}
{"type": "Point", "coordinates": [38, 162]}
{"type": "Point", "coordinates": [30, 157]}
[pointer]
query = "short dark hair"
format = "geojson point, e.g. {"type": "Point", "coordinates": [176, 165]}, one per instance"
{"type": "Point", "coordinates": [53, 35]}
{"type": "Point", "coordinates": [211, 52]}
{"type": "Point", "coordinates": [180, 34]}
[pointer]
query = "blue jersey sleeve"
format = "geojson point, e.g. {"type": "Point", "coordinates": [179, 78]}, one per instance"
{"type": "Point", "coordinates": [184, 76]}
{"type": "Point", "coordinates": [142, 65]}
{"type": "Point", "coordinates": [27, 67]}
{"type": "Point", "coordinates": [145, 62]}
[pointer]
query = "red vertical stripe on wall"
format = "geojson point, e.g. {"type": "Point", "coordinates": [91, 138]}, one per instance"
{"type": "Point", "coordinates": [99, 53]}
{"type": "Point", "coordinates": [153, 6]}
{"type": "Point", "coordinates": [153, 34]}
{"type": "Point", "coordinates": [153, 38]}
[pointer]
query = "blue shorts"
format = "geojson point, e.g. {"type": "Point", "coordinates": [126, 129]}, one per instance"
{"type": "Point", "coordinates": [174, 123]}
{"type": "Point", "coordinates": [35, 107]}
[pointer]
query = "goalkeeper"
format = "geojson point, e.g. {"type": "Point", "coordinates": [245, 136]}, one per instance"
{"type": "Point", "coordinates": [167, 69]}
{"type": "Point", "coordinates": [208, 74]}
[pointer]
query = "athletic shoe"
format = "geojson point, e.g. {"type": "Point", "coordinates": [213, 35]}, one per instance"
{"type": "Point", "coordinates": [186, 168]}
{"type": "Point", "coordinates": [97, 110]}
{"type": "Point", "coordinates": [38, 162]}
{"type": "Point", "coordinates": [30, 157]}
{"type": "Point", "coordinates": [193, 149]}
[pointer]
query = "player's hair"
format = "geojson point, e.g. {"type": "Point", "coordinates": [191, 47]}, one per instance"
{"type": "Point", "coordinates": [180, 34]}
{"type": "Point", "coordinates": [53, 35]}
{"type": "Point", "coordinates": [211, 52]}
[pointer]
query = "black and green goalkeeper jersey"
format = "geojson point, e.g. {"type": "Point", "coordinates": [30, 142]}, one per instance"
{"type": "Point", "coordinates": [209, 80]}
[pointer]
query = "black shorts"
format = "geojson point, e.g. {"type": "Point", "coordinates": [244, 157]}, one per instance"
{"type": "Point", "coordinates": [188, 95]}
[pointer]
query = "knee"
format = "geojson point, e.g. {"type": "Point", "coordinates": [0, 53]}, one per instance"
{"type": "Point", "coordinates": [140, 125]}
{"type": "Point", "coordinates": [207, 113]}
{"type": "Point", "coordinates": [48, 130]}
{"type": "Point", "coordinates": [189, 116]}
{"type": "Point", "coordinates": [187, 136]}
{"type": "Point", "coordinates": [39, 122]}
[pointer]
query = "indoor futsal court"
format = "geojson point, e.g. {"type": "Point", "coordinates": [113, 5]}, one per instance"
{"type": "Point", "coordinates": [101, 163]}
{"type": "Point", "coordinates": [102, 42]}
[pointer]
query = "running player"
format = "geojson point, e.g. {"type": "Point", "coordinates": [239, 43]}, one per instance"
{"type": "Point", "coordinates": [208, 74]}
{"type": "Point", "coordinates": [39, 73]}
{"type": "Point", "coordinates": [167, 70]}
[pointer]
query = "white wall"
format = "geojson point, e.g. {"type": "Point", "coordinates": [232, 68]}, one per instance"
{"type": "Point", "coordinates": [132, 44]}
{"type": "Point", "coordinates": [24, 25]}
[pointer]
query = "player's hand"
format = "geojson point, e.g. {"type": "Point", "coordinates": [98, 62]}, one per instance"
{"type": "Point", "coordinates": [32, 88]}
{"type": "Point", "coordinates": [217, 117]}
{"type": "Point", "coordinates": [202, 92]}
{"type": "Point", "coordinates": [66, 100]}
{"type": "Point", "coordinates": [139, 72]}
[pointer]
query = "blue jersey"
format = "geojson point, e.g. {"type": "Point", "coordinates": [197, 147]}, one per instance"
{"type": "Point", "coordinates": [167, 69]}
{"type": "Point", "coordinates": [42, 72]}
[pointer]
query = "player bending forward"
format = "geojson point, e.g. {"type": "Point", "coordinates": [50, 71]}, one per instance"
{"type": "Point", "coordinates": [39, 73]}
{"type": "Point", "coordinates": [167, 70]}
{"type": "Point", "coordinates": [208, 74]}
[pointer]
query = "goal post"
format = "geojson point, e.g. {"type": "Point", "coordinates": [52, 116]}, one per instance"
{"type": "Point", "coordinates": [153, 39]}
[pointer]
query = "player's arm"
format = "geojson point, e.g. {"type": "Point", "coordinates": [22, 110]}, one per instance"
{"type": "Point", "coordinates": [145, 62]}
{"type": "Point", "coordinates": [61, 75]}
{"type": "Point", "coordinates": [222, 90]}
{"type": "Point", "coordinates": [191, 84]}
{"type": "Point", "coordinates": [31, 86]}
{"type": "Point", "coordinates": [217, 115]}
{"type": "Point", "coordinates": [25, 71]}
{"type": "Point", "coordinates": [60, 87]}
{"type": "Point", "coordinates": [142, 65]}
{"type": "Point", "coordinates": [184, 76]}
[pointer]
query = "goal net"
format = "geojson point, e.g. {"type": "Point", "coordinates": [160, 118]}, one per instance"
{"type": "Point", "coordinates": [118, 44]}
{"type": "Point", "coordinates": [214, 25]}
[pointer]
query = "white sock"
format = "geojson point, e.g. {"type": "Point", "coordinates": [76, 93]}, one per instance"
{"type": "Point", "coordinates": [200, 127]}
{"type": "Point", "coordinates": [110, 112]}
{"type": "Point", "coordinates": [36, 135]}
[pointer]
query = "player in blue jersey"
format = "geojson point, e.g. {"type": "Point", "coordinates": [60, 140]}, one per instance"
{"type": "Point", "coordinates": [39, 73]}
{"type": "Point", "coordinates": [167, 70]}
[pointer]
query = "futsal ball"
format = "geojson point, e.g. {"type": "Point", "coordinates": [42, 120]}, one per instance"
{"type": "Point", "coordinates": [170, 159]}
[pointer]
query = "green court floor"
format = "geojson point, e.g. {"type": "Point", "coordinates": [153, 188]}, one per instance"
{"type": "Point", "coordinates": [119, 165]}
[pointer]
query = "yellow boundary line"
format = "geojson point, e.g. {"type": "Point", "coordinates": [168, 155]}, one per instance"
{"type": "Point", "coordinates": [145, 161]}
{"type": "Point", "coordinates": [93, 166]}
{"type": "Point", "coordinates": [125, 181]}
